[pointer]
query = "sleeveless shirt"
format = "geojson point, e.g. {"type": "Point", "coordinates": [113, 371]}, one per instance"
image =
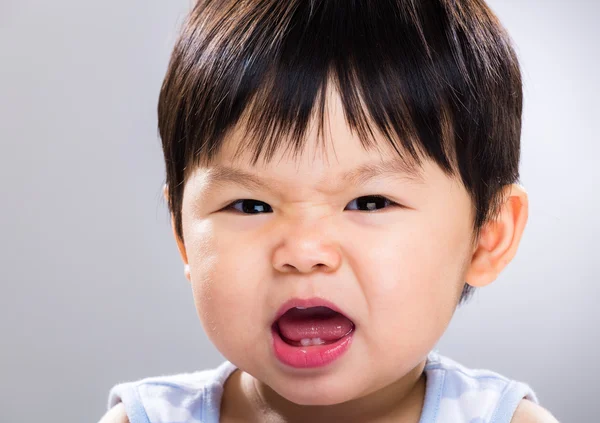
{"type": "Point", "coordinates": [453, 394]}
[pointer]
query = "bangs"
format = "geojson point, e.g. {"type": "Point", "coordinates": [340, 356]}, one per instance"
{"type": "Point", "coordinates": [269, 64]}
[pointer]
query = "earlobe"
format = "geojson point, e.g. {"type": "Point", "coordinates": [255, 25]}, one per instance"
{"type": "Point", "coordinates": [180, 244]}
{"type": "Point", "coordinates": [500, 238]}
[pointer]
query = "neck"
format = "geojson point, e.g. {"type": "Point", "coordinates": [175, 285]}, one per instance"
{"type": "Point", "coordinates": [400, 401]}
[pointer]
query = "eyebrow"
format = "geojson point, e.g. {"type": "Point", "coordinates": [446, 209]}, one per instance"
{"type": "Point", "coordinates": [220, 175]}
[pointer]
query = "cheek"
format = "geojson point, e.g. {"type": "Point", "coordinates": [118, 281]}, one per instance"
{"type": "Point", "coordinates": [412, 295]}
{"type": "Point", "coordinates": [225, 284]}
{"type": "Point", "coordinates": [421, 263]}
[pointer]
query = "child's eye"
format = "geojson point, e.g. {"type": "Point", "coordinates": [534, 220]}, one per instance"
{"type": "Point", "coordinates": [372, 202]}
{"type": "Point", "coordinates": [250, 206]}
{"type": "Point", "coordinates": [366, 203]}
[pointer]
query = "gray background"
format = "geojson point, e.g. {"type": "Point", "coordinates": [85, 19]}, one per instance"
{"type": "Point", "coordinates": [93, 291]}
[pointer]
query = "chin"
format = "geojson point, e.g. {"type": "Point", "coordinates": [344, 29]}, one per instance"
{"type": "Point", "coordinates": [316, 392]}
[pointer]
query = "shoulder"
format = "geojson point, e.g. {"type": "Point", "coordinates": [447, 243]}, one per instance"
{"type": "Point", "coordinates": [116, 414]}
{"type": "Point", "coordinates": [530, 412]}
{"type": "Point", "coordinates": [171, 396]}
{"type": "Point", "coordinates": [479, 392]}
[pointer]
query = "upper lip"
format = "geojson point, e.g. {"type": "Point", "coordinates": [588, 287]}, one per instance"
{"type": "Point", "coordinates": [307, 302]}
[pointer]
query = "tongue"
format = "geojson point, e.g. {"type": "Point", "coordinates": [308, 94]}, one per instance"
{"type": "Point", "coordinates": [314, 322]}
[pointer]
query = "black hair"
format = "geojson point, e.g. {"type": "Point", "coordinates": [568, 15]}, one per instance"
{"type": "Point", "coordinates": [439, 78]}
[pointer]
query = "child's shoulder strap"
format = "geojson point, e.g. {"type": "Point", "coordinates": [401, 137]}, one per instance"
{"type": "Point", "coordinates": [185, 397]}
{"type": "Point", "coordinates": [455, 393]}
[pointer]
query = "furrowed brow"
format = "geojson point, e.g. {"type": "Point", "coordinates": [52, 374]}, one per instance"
{"type": "Point", "coordinates": [220, 176]}
{"type": "Point", "coordinates": [390, 168]}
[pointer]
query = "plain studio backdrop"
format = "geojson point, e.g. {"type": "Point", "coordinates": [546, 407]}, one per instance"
{"type": "Point", "coordinates": [93, 291]}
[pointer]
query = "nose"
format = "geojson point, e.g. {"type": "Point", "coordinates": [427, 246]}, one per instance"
{"type": "Point", "coordinates": [305, 249]}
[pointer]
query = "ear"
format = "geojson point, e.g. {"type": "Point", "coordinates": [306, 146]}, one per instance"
{"type": "Point", "coordinates": [499, 239]}
{"type": "Point", "coordinates": [180, 243]}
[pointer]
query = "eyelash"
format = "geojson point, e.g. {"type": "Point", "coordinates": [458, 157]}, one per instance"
{"type": "Point", "coordinates": [379, 197]}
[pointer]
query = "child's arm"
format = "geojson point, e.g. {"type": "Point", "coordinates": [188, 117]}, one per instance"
{"type": "Point", "coordinates": [530, 412]}
{"type": "Point", "coordinates": [115, 415]}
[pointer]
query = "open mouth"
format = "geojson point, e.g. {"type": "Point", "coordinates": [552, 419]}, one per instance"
{"type": "Point", "coordinates": [312, 326]}
{"type": "Point", "coordinates": [306, 337]}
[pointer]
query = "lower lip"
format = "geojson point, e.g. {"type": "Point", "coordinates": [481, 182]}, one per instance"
{"type": "Point", "coordinates": [312, 356]}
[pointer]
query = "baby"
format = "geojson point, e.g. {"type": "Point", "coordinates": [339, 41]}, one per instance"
{"type": "Point", "coordinates": [341, 174]}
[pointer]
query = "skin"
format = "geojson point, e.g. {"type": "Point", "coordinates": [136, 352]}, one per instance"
{"type": "Point", "coordinates": [397, 272]}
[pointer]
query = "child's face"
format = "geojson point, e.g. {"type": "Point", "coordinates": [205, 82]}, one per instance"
{"type": "Point", "coordinates": [397, 273]}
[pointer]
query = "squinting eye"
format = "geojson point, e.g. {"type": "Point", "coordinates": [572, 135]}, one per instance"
{"type": "Point", "coordinates": [372, 202]}
{"type": "Point", "coordinates": [367, 203]}
{"type": "Point", "coordinates": [250, 206]}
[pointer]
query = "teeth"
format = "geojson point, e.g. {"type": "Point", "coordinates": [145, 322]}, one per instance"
{"type": "Point", "coordinates": [314, 341]}
{"type": "Point", "coordinates": [301, 308]}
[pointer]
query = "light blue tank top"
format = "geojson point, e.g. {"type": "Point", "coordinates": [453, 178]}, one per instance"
{"type": "Point", "coordinates": [453, 394]}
